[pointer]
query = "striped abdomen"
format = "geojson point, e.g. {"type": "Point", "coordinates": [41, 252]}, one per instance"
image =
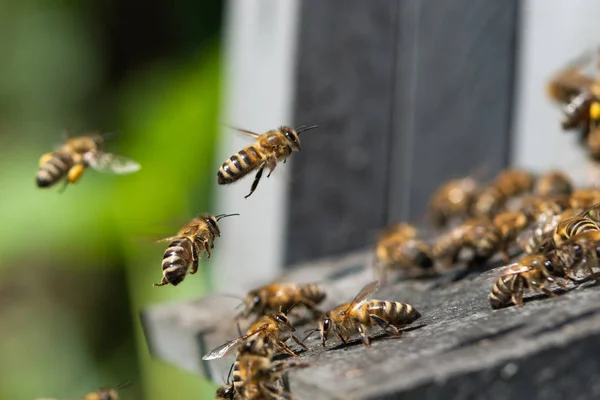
{"type": "Point", "coordinates": [395, 313]}
{"type": "Point", "coordinates": [177, 259]}
{"type": "Point", "coordinates": [53, 170]}
{"type": "Point", "coordinates": [503, 290]}
{"type": "Point", "coordinates": [573, 226]}
{"type": "Point", "coordinates": [312, 293]}
{"type": "Point", "coordinates": [240, 164]}
{"type": "Point", "coordinates": [485, 242]}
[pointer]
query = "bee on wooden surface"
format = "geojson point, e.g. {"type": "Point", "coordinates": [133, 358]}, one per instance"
{"type": "Point", "coordinates": [270, 148]}
{"type": "Point", "coordinates": [539, 207]}
{"type": "Point", "coordinates": [187, 246]}
{"type": "Point", "coordinates": [361, 314]}
{"type": "Point", "coordinates": [570, 227]}
{"type": "Point", "coordinates": [509, 224]}
{"type": "Point", "coordinates": [452, 200]}
{"type": "Point", "coordinates": [255, 375]}
{"type": "Point", "coordinates": [281, 296]}
{"type": "Point", "coordinates": [398, 249]}
{"type": "Point", "coordinates": [78, 153]}
{"type": "Point", "coordinates": [584, 198]}
{"type": "Point", "coordinates": [538, 238]}
{"type": "Point", "coordinates": [580, 251]}
{"type": "Point", "coordinates": [268, 334]}
{"type": "Point", "coordinates": [508, 184]}
{"type": "Point", "coordinates": [533, 272]}
{"type": "Point", "coordinates": [479, 235]}
{"type": "Point", "coordinates": [553, 183]}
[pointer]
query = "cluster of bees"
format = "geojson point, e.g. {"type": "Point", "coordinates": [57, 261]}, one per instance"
{"type": "Point", "coordinates": [554, 225]}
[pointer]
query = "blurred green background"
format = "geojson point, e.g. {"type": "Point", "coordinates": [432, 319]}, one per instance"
{"type": "Point", "coordinates": [76, 267]}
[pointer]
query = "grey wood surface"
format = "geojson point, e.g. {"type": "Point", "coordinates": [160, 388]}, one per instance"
{"type": "Point", "coordinates": [407, 94]}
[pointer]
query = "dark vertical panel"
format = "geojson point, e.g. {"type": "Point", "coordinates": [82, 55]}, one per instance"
{"type": "Point", "coordinates": [454, 95]}
{"type": "Point", "coordinates": [345, 68]}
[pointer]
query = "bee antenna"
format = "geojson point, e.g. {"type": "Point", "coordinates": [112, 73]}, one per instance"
{"type": "Point", "coordinates": [220, 216]}
{"type": "Point", "coordinates": [123, 385]}
{"type": "Point", "coordinates": [229, 374]}
{"type": "Point", "coordinates": [291, 307]}
{"type": "Point", "coordinates": [312, 331]}
{"type": "Point", "coordinates": [305, 128]}
{"type": "Point", "coordinates": [233, 296]}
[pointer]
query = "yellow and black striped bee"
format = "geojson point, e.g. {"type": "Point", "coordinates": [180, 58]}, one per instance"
{"type": "Point", "coordinates": [187, 246]}
{"type": "Point", "coordinates": [570, 227]}
{"type": "Point", "coordinates": [533, 272]}
{"type": "Point", "coordinates": [582, 199]}
{"type": "Point", "coordinates": [270, 148]}
{"type": "Point", "coordinates": [509, 224]}
{"type": "Point", "coordinates": [73, 157]}
{"type": "Point", "coordinates": [452, 200]}
{"type": "Point", "coordinates": [507, 184]}
{"type": "Point", "coordinates": [581, 252]}
{"type": "Point", "coordinates": [399, 249]}
{"type": "Point", "coordinates": [538, 238]}
{"type": "Point", "coordinates": [553, 183]}
{"type": "Point", "coordinates": [281, 296]}
{"type": "Point", "coordinates": [361, 314]}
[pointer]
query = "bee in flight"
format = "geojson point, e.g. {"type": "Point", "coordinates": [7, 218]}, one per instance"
{"type": "Point", "coordinates": [187, 246]}
{"type": "Point", "coordinates": [533, 272]}
{"type": "Point", "coordinates": [106, 393]}
{"type": "Point", "coordinates": [269, 334]}
{"type": "Point", "coordinates": [270, 148]}
{"type": "Point", "coordinates": [281, 296]}
{"type": "Point", "coordinates": [75, 155]}
{"type": "Point", "coordinates": [361, 314]}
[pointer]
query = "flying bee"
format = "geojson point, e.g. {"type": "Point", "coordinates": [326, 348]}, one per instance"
{"type": "Point", "coordinates": [187, 246]}
{"type": "Point", "coordinates": [452, 200]}
{"type": "Point", "coordinates": [581, 251]}
{"type": "Point", "coordinates": [73, 157]}
{"type": "Point", "coordinates": [361, 314]}
{"type": "Point", "coordinates": [281, 296]}
{"type": "Point", "coordinates": [509, 224]}
{"type": "Point", "coordinates": [270, 148]}
{"type": "Point", "coordinates": [533, 272]}
{"type": "Point", "coordinates": [507, 185]}
{"type": "Point", "coordinates": [268, 334]}
{"type": "Point", "coordinates": [479, 235]}
{"type": "Point", "coordinates": [255, 375]}
{"type": "Point", "coordinates": [107, 393]}
{"type": "Point", "coordinates": [398, 249]}
{"type": "Point", "coordinates": [570, 227]}
{"type": "Point", "coordinates": [553, 183]}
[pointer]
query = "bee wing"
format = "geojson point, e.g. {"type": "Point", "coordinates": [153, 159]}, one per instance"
{"type": "Point", "coordinates": [228, 347]}
{"type": "Point", "coordinates": [585, 213]}
{"type": "Point", "coordinates": [245, 131]}
{"type": "Point", "coordinates": [514, 269]}
{"type": "Point", "coordinates": [167, 239]}
{"type": "Point", "coordinates": [363, 295]}
{"type": "Point", "coordinates": [111, 163]}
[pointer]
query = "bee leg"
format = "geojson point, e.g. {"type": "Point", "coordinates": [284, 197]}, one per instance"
{"type": "Point", "coordinates": [162, 283]}
{"type": "Point", "coordinates": [207, 248]}
{"type": "Point", "coordinates": [363, 335]}
{"type": "Point", "coordinates": [194, 268]}
{"type": "Point", "coordinates": [287, 350]}
{"type": "Point", "coordinates": [256, 180]}
{"type": "Point", "coordinates": [385, 325]}
{"type": "Point", "coordinates": [299, 343]}
{"type": "Point", "coordinates": [273, 392]}
{"type": "Point", "coordinates": [517, 292]}
{"type": "Point", "coordinates": [271, 163]}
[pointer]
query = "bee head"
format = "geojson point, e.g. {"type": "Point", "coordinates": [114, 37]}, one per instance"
{"type": "Point", "coordinates": [550, 269]}
{"type": "Point", "coordinates": [292, 137]}
{"type": "Point", "coordinates": [253, 301]}
{"type": "Point", "coordinates": [225, 392]}
{"type": "Point", "coordinates": [324, 328]}
{"type": "Point", "coordinates": [283, 322]}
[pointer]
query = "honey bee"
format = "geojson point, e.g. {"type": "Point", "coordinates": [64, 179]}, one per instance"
{"type": "Point", "coordinates": [508, 184]}
{"type": "Point", "coordinates": [479, 235]}
{"type": "Point", "coordinates": [187, 246]}
{"type": "Point", "coordinates": [509, 224]}
{"type": "Point", "coordinates": [255, 375]}
{"type": "Point", "coordinates": [226, 392]}
{"type": "Point", "coordinates": [553, 183]}
{"type": "Point", "coordinates": [281, 296]}
{"type": "Point", "coordinates": [538, 238]}
{"type": "Point", "coordinates": [361, 314]}
{"type": "Point", "coordinates": [452, 200]}
{"type": "Point", "coordinates": [541, 207]}
{"type": "Point", "coordinates": [532, 272]}
{"type": "Point", "coordinates": [581, 251]}
{"type": "Point", "coordinates": [268, 334]}
{"type": "Point", "coordinates": [270, 148]}
{"type": "Point", "coordinates": [570, 227]}
{"type": "Point", "coordinates": [398, 248]}
{"type": "Point", "coordinates": [78, 153]}
{"type": "Point", "coordinates": [584, 198]}
{"type": "Point", "coordinates": [107, 393]}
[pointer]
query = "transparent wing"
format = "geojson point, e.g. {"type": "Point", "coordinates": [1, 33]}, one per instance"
{"type": "Point", "coordinates": [363, 295]}
{"type": "Point", "coordinates": [228, 347]}
{"type": "Point", "coordinates": [516, 268]}
{"type": "Point", "coordinates": [111, 163]}
{"type": "Point", "coordinates": [245, 131]}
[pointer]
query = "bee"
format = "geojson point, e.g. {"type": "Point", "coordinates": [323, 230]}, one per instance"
{"type": "Point", "coordinates": [508, 184]}
{"type": "Point", "coordinates": [480, 235]}
{"type": "Point", "coordinates": [361, 314]}
{"type": "Point", "coordinates": [553, 183]}
{"type": "Point", "coordinates": [570, 227]}
{"type": "Point", "coordinates": [73, 157]}
{"type": "Point", "coordinates": [398, 248]}
{"type": "Point", "coordinates": [226, 392]}
{"type": "Point", "coordinates": [452, 200]}
{"type": "Point", "coordinates": [268, 334]}
{"type": "Point", "coordinates": [584, 198]}
{"type": "Point", "coordinates": [581, 251]}
{"type": "Point", "coordinates": [509, 224]}
{"type": "Point", "coordinates": [255, 375]}
{"type": "Point", "coordinates": [107, 393]}
{"type": "Point", "coordinates": [187, 246]}
{"type": "Point", "coordinates": [281, 296]}
{"type": "Point", "coordinates": [533, 272]}
{"type": "Point", "coordinates": [270, 148]}
{"type": "Point", "coordinates": [538, 238]}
